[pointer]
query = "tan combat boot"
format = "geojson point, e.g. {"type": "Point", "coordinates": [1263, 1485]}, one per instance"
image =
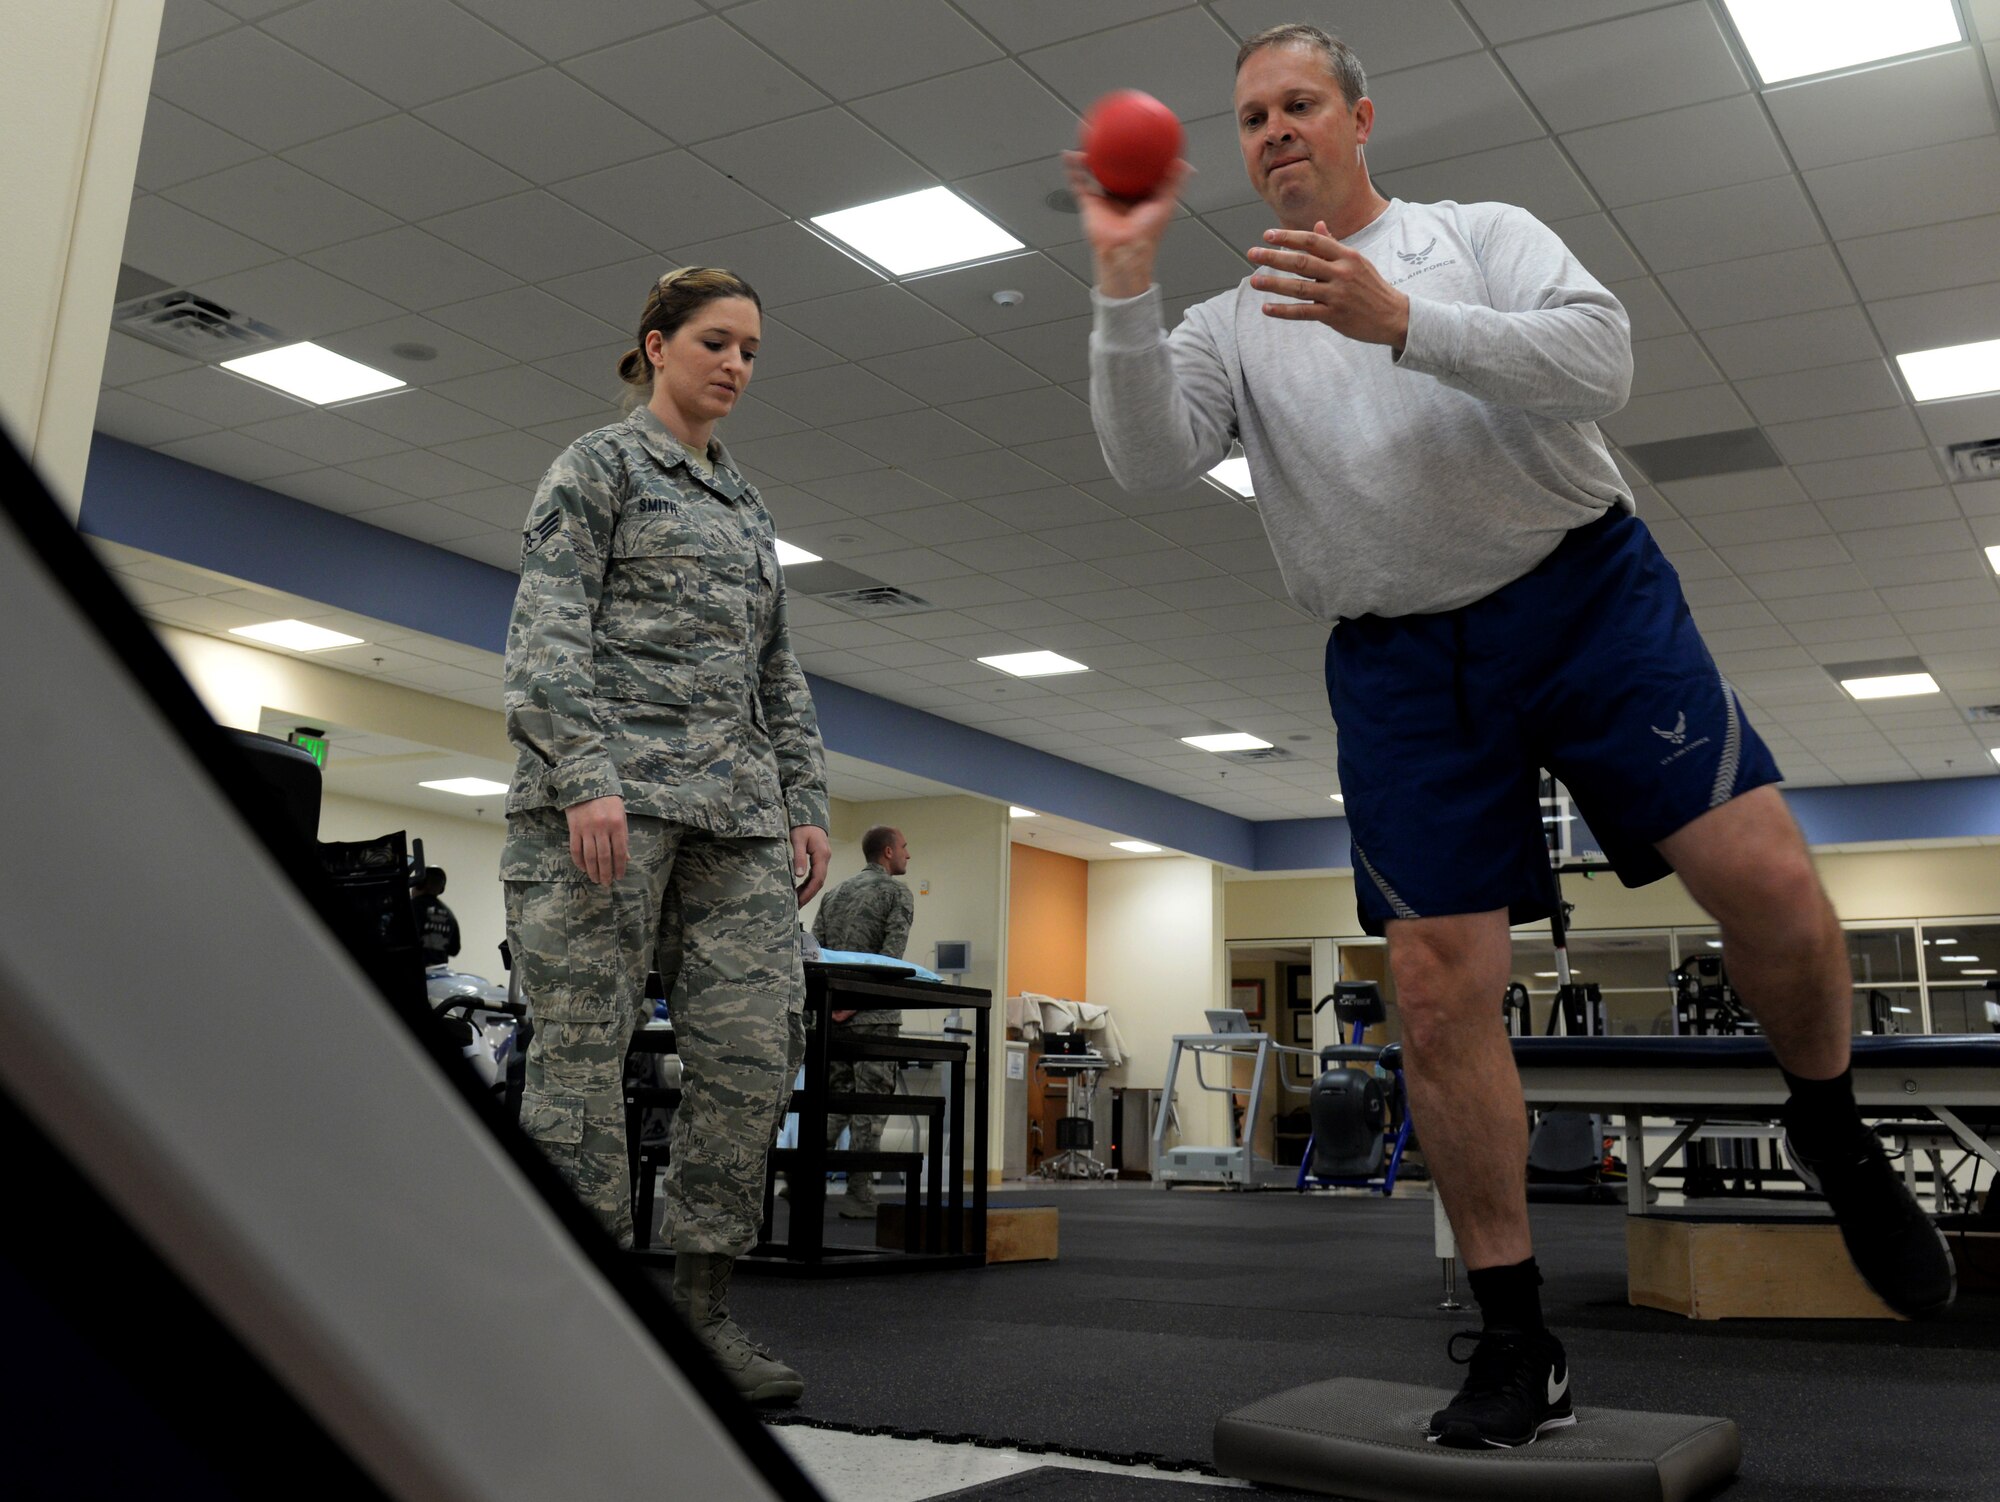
{"type": "Point", "coordinates": [701, 1297]}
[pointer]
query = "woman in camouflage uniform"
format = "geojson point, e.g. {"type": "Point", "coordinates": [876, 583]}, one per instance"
{"type": "Point", "coordinates": [669, 806]}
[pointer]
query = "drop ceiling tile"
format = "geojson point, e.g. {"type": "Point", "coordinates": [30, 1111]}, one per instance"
{"type": "Point", "coordinates": [750, 419]}
{"type": "Point", "coordinates": [800, 458]}
{"type": "Point", "coordinates": [1971, 419]}
{"type": "Point", "coordinates": [875, 492]}
{"type": "Point", "coordinates": [1867, 113]}
{"type": "Point", "coordinates": [1928, 186]}
{"type": "Point", "coordinates": [217, 397]}
{"type": "Point", "coordinates": [1024, 416]}
{"type": "Point", "coordinates": [1825, 582]}
{"type": "Point", "coordinates": [1680, 152]}
{"type": "Point", "coordinates": [184, 249]}
{"type": "Point", "coordinates": [276, 203]}
{"type": "Point", "coordinates": [1059, 350]}
{"type": "Point", "coordinates": [976, 121]}
{"type": "Point", "coordinates": [1860, 386]}
{"type": "Point", "coordinates": [1030, 201]}
{"type": "Point", "coordinates": [1670, 364]}
{"type": "Point", "coordinates": [1677, 414]}
{"type": "Point", "coordinates": [952, 522]}
{"type": "Point", "coordinates": [1930, 259]}
{"type": "Point", "coordinates": [1212, 148]}
{"type": "Point", "coordinates": [1532, 174]}
{"type": "Point", "coordinates": [1646, 305]}
{"type": "Point", "coordinates": [1192, 259]}
{"type": "Point", "coordinates": [560, 31]}
{"type": "Point", "coordinates": [188, 21]}
{"type": "Point", "coordinates": [408, 51]}
{"type": "Point", "coordinates": [233, 454]}
{"type": "Point", "coordinates": [911, 437]}
{"type": "Point", "coordinates": [146, 423]}
{"type": "Point", "coordinates": [1022, 24]}
{"type": "Point", "coordinates": [416, 350]}
{"type": "Point", "coordinates": [1635, 65]}
{"type": "Point", "coordinates": [1429, 114]}
{"type": "Point", "coordinates": [864, 46]}
{"type": "Point", "coordinates": [1798, 341]}
{"type": "Point", "coordinates": [876, 320]}
{"type": "Point", "coordinates": [297, 300]}
{"type": "Point", "coordinates": [178, 146]}
{"type": "Point", "coordinates": [323, 437]}
{"type": "Point", "coordinates": [421, 473]}
{"type": "Point", "coordinates": [425, 521]}
{"type": "Point", "coordinates": [990, 472]}
{"type": "Point", "coordinates": [839, 394]}
{"type": "Point", "coordinates": [1847, 437]}
{"type": "Point", "coordinates": [1042, 512]}
{"type": "Point", "coordinates": [257, 88]}
{"type": "Point", "coordinates": [1076, 459]}
{"type": "Point", "coordinates": [536, 236]}
{"type": "Point", "coordinates": [1792, 553]}
{"type": "Point", "coordinates": [1117, 539]}
{"type": "Point", "coordinates": [521, 397]}
{"type": "Point", "coordinates": [791, 507]}
{"type": "Point", "coordinates": [1184, 59]}
{"type": "Point", "coordinates": [1868, 513]}
{"type": "Point", "coordinates": [786, 263]}
{"type": "Point", "coordinates": [406, 167]}
{"type": "Point", "coordinates": [1048, 292]}
{"type": "Point", "coordinates": [697, 81]}
{"type": "Point", "coordinates": [913, 567]}
{"type": "Point", "coordinates": [1596, 240]}
{"type": "Point", "coordinates": [960, 371]}
{"type": "Point", "coordinates": [409, 267]}
{"type": "Point", "coordinates": [528, 324]}
{"type": "Point", "coordinates": [1929, 320]}
{"type": "Point", "coordinates": [1924, 568]}
{"type": "Point", "coordinates": [519, 457]}
{"type": "Point", "coordinates": [1950, 535]}
{"type": "Point", "coordinates": [1975, 593]}
{"type": "Point", "coordinates": [992, 554]}
{"type": "Point", "coordinates": [816, 163]}
{"type": "Point", "coordinates": [1725, 529]}
{"type": "Point", "coordinates": [504, 507]}
{"type": "Point", "coordinates": [545, 126]}
{"type": "Point", "coordinates": [1913, 469]}
{"type": "Point", "coordinates": [1724, 224]}
{"type": "Point", "coordinates": [1759, 287]}
{"type": "Point", "coordinates": [616, 293]}
{"type": "Point", "coordinates": [656, 200]}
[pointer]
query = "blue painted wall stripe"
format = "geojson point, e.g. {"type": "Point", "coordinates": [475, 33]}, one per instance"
{"type": "Point", "coordinates": [164, 505]}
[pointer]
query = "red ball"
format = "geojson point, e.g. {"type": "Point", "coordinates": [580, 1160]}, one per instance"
{"type": "Point", "coordinates": [1130, 139]}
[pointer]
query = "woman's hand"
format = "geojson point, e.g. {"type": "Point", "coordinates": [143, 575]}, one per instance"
{"type": "Point", "coordinates": [810, 853]}
{"type": "Point", "coordinates": [597, 838]}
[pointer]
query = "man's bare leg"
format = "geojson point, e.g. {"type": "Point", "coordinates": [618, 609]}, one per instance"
{"type": "Point", "coordinates": [1747, 864]}
{"type": "Point", "coordinates": [1465, 1094]}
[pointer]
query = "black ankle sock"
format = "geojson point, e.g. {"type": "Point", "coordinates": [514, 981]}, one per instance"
{"type": "Point", "coordinates": [1509, 1297]}
{"type": "Point", "coordinates": [1822, 1113]}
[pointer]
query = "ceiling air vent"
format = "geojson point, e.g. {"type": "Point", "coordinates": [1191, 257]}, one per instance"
{"type": "Point", "coordinates": [193, 326]}
{"type": "Point", "coordinates": [879, 599]}
{"type": "Point", "coordinates": [1258, 758]}
{"type": "Point", "coordinates": [1984, 714]}
{"type": "Point", "coordinates": [1704, 454]}
{"type": "Point", "coordinates": [1979, 460]}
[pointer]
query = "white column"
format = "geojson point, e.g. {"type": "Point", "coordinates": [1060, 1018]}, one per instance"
{"type": "Point", "coordinates": [74, 79]}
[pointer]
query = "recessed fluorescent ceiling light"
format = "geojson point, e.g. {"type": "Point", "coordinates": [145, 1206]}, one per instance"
{"type": "Point", "coordinates": [1233, 475]}
{"type": "Point", "coordinates": [296, 635]}
{"type": "Point", "coordinates": [1798, 38]}
{"type": "Point", "coordinates": [1982, 972]}
{"type": "Point", "coordinates": [1959, 959]}
{"type": "Point", "coordinates": [919, 232]}
{"type": "Point", "coordinates": [468, 787]}
{"type": "Point", "coordinates": [790, 553]}
{"type": "Point", "coordinates": [1034, 664]}
{"type": "Point", "coordinates": [313, 374]}
{"type": "Point", "coordinates": [1023, 813]}
{"type": "Point", "coordinates": [1338, 797]}
{"type": "Point", "coordinates": [1892, 686]}
{"type": "Point", "coordinates": [1993, 557]}
{"type": "Point", "coordinates": [1937, 375]}
{"type": "Point", "coordinates": [1996, 753]}
{"type": "Point", "coordinates": [1137, 847]}
{"type": "Point", "coordinates": [1235, 740]}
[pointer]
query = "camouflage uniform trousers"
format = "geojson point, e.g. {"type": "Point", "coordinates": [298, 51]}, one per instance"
{"type": "Point", "coordinates": [861, 1077]}
{"type": "Point", "coordinates": [717, 917]}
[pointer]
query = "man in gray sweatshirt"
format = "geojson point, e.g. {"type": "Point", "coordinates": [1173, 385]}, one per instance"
{"type": "Point", "coordinates": [1416, 387]}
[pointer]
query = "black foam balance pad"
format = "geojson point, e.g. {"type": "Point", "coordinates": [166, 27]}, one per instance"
{"type": "Point", "coordinates": [1364, 1440]}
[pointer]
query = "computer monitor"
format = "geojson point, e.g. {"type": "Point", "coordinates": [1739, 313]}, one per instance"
{"type": "Point", "coordinates": [1228, 1020]}
{"type": "Point", "coordinates": [953, 957]}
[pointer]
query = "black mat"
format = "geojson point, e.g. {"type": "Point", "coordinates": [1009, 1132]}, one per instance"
{"type": "Point", "coordinates": [1061, 1484]}
{"type": "Point", "coordinates": [1169, 1309]}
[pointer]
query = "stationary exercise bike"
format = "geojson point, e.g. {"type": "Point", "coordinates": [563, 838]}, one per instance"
{"type": "Point", "coordinates": [1359, 1129]}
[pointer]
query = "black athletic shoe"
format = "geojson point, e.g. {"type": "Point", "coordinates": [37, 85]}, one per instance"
{"type": "Point", "coordinates": [1516, 1390]}
{"type": "Point", "coordinates": [1894, 1245]}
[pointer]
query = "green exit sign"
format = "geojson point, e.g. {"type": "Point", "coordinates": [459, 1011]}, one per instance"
{"type": "Point", "coordinates": [312, 742]}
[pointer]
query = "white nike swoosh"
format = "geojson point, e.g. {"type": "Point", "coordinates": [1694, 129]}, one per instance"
{"type": "Point", "coordinates": [1557, 1389]}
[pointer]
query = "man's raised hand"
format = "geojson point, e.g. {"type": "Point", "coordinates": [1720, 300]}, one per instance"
{"type": "Point", "coordinates": [1335, 286]}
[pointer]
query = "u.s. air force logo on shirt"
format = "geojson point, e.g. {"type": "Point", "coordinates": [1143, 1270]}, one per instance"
{"type": "Point", "coordinates": [1414, 263]}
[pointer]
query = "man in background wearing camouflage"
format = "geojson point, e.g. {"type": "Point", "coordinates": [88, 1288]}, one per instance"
{"type": "Point", "coordinates": [868, 913]}
{"type": "Point", "coordinates": [670, 791]}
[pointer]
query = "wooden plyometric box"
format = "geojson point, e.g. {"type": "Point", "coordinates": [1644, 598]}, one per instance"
{"type": "Point", "coordinates": [1014, 1233]}
{"type": "Point", "coordinates": [1745, 1269]}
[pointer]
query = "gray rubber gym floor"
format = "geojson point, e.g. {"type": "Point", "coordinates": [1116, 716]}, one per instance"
{"type": "Point", "coordinates": [1169, 1308]}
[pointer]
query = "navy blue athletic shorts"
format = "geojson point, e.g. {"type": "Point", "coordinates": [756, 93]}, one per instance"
{"type": "Point", "coordinates": [1588, 665]}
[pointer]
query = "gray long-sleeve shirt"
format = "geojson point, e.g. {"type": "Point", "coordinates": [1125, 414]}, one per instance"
{"type": "Point", "coordinates": [1389, 485]}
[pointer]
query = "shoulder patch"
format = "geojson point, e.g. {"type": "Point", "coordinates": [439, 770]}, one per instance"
{"type": "Point", "coordinates": [543, 530]}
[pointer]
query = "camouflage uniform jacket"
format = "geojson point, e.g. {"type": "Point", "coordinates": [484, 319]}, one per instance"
{"type": "Point", "coordinates": [868, 913]}
{"type": "Point", "coordinates": [648, 654]}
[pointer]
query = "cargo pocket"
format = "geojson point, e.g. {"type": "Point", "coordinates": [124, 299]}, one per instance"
{"type": "Point", "coordinates": [553, 1122]}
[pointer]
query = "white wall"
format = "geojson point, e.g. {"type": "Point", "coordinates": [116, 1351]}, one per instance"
{"type": "Point", "coordinates": [1156, 959]}
{"type": "Point", "coordinates": [470, 854]}
{"type": "Point", "coordinates": [75, 76]}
